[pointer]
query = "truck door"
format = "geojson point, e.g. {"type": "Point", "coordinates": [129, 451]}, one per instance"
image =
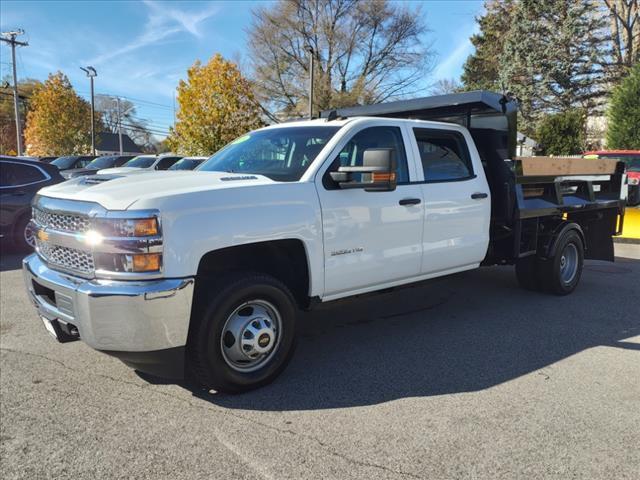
{"type": "Point", "coordinates": [457, 201]}
{"type": "Point", "coordinates": [370, 238]}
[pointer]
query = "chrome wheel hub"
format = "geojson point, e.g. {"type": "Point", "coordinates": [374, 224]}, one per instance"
{"type": "Point", "coordinates": [569, 263]}
{"type": "Point", "coordinates": [251, 335]}
{"type": "Point", "coordinates": [30, 235]}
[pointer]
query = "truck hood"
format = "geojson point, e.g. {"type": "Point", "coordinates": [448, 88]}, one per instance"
{"type": "Point", "coordinates": [115, 192]}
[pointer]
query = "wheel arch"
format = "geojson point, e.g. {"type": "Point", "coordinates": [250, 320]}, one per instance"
{"type": "Point", "coordinates": [285, 259]}
{"type": "Point", "coordinates": [558, 232]}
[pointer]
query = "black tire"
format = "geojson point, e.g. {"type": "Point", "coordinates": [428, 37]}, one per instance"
{"type": "Point", "coordinates": [19, 236]}
{"type": "Point", "coordinates": [552, 275]}
{"type": "Point", "coordinates": [207, 364]}
{"type": "Point", "coordinates": [527, 273]}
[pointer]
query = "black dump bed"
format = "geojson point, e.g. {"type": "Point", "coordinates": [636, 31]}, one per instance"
{"type": "Point", "coordinates": [520, 201]}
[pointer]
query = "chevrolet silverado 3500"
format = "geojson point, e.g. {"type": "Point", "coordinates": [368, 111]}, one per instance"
{"type": "Point", "coordinates": [202, 273]}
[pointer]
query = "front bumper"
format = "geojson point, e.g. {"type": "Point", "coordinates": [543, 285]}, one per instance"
{"type": "Point", "coordinates": [113, 316]}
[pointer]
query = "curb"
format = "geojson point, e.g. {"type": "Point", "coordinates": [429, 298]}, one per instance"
{"type": "Point", "coordinates": [635, 241]}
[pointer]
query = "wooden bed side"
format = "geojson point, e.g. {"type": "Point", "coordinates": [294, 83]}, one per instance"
{"type": "Point", "coordinates": [557, 166]}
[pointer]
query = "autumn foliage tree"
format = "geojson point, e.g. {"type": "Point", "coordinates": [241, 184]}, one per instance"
{"type": "Point", "coordinates": [216, 105]}
{"type": "Point", "coordinates": [8, 145]}
{"type": "Point", "coordinates": [58, 120]}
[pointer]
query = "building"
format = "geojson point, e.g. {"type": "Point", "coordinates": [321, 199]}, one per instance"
{"type": "Point", "coordinates": [109, 144]}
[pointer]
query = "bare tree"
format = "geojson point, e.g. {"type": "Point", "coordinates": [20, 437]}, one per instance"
{"type": "Point", "coordinates": [364, 51]}
{"type": "Point", "coordinates": [136, 128]}
{"type": "Point", "coordinates": [445, 86]}
{"type": "Point", "coordinates": [625, 33]}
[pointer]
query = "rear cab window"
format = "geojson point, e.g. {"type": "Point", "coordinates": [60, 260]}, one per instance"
{"type": "Point", "coordinates": [444, 155]}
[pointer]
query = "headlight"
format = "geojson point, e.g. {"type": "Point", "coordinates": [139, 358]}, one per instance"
{"type": "Point", "coordinates": [126, 245]}
{"type": "Point", "coordinates": [128, 227]}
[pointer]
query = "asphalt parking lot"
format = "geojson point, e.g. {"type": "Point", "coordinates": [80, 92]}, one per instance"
{"type": "Point", "coordinates": [462, 377]}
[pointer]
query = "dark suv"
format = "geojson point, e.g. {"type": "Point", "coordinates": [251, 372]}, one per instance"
{"type": "Point", "coordinates": [20, 180]}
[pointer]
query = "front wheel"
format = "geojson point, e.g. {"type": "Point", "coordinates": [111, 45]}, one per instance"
{"type": "Point", "coordinates": [24, 237]}
{"type": "Point", "coordinates": [245, 336]}
{"type": "Point", "coordinates": [561, 273]}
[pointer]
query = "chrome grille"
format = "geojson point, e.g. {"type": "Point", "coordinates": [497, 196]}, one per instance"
{"type": "Point", "coordinates": [67, 222]}
{"type": "Point", "coordinates": [67, 258]}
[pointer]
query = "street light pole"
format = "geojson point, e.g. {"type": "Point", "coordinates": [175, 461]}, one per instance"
{"type": "Point", "coordinates": [13, 42]}
{"type": "Point", "coordinates": [119, 124]}
{"type": "Point", "coordinates": [310, 50]}
{"type": "Point", "coordinates": [91, 73]}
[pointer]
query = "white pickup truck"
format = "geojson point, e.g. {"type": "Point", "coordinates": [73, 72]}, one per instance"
{"type": "Point", "coordinates": [203, 273]}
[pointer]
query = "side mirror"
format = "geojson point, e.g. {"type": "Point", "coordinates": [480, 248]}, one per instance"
{"type": "Point", "coordinates": [377, 173]}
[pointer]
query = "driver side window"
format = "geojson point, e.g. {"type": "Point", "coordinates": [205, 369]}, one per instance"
{"type": "Point", "coordinates": [375, 137]}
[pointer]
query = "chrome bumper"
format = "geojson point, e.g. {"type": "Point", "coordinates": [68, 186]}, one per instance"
{"type": "Point", "coordinates": [127, 316]}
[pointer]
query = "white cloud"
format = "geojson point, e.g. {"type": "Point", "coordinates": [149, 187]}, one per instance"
{"type": "Point", "coordinates": [162, 23]}
{"type": "Point", "coordinates": [454, 61]}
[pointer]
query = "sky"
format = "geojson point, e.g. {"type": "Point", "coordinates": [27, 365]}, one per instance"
{"type": "Point", "coordinates": [141, 49]}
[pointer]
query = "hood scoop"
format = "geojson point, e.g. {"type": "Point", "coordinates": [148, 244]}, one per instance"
{"type": "Point", "coordinates": [96, 179]}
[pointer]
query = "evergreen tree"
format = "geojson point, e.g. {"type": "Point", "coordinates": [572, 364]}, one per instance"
{"type": "Point", "coordinates": [481, 71]}
{"type": "Point", "coordinates": [554, 58]}
{"type": "Point", "coordinates": [624, 113]}
{"type": "Point", "coordinates": [562, 133]}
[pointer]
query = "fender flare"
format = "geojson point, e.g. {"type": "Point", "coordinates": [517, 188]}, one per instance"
{"type": "Point", "coordinates": [559, 231]}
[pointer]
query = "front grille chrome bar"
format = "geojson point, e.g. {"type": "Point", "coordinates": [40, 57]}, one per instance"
{"type": "Point", "coordinates": [62, 228]}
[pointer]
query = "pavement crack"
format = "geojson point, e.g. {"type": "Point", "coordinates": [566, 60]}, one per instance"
{"type": "Point", "coordinates": [213, 408]}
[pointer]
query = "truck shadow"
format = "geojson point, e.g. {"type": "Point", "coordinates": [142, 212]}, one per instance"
{"type": "Point", "coordinates": [463, 333]}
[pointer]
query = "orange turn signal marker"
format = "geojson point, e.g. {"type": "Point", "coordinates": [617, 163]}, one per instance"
{"type": "Point", "coordinates": [147, 262]}
{"type": "Point", "coordinates": [146, 227]}
{"type": "Point", "coordinates": [383, 177]}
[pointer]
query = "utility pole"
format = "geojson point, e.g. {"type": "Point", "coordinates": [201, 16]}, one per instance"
{"type": "Point", "coordinates": [13, 42]}
{"type": "Point", "coordinates": [91, 73]}
{"type": "Point", "coordinates": [310, 50]}
{"type": "Point", "coordinates": [119, 124]}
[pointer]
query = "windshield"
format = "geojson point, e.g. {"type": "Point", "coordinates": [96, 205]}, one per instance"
{"type": "Point", "coordinates": [282, 154]}
{"type": "Point", "coordinates": [186, 164]}
{"type": "Point", "coordinates": [102, 162]}
{"type": "Point", "coordinates": [632, 161]}
{"type": "Point", "coordinates": [64, 162]}
{"type": "Point", "coordinates": [140, 162]}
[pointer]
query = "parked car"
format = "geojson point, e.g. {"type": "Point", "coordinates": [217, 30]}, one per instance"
{"type": "Point", "coordinates": [72, 161]}
{"type": "Point", "coordinates": [19, 181]}
{"type": "Point", "coordinates": [632, 160]}
{"type": "Point", "coordinates": [143, 162]}
{"type": "Point", "coordinates": [47, 159]}
{"type": "Point", "coordinates": [109, 161]}
{"type": "Point", "coordinates": [188, 163]}
{"type": "Point", "coordinates": [204, 272]}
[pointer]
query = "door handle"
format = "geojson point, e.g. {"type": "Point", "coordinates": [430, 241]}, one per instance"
{"type": "Point", "coordinates": [479, 195]}
{"type": "Point", "coordinates": [410, 201]}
